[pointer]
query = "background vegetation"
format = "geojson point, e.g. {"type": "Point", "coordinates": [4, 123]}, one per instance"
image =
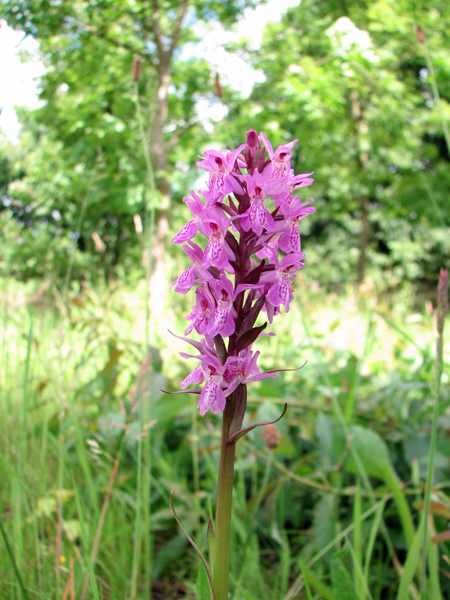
{"type": "Point", "coordinates": [90, 447]}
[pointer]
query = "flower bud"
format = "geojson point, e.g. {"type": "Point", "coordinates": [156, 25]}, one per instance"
{"type": "Point", "coordinates": [420, 36]}
{"type": "Point", "coordinates": [253, 143]}
{"type": "Point", "coordinates": [137, 63]}
{"type": "Point", "coordinates": [271, 436]}
{"type": "Point", "coordinates": [218, 86]}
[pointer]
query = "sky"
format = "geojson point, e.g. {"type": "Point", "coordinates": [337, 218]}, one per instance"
{"type": "Point", "coordinates": [20, 79]}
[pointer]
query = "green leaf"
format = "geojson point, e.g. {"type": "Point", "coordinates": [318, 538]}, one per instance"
{"type": "Point", "coordinates": [310, 577]}
{"type": "Point", "coordinates": [210, 535]}
{"type": "Point", "coordinates": [203, 591]}
{"type": "Point", "coordinates": [324, 526]}
{"type": "Point", "coordinates": [342, 583]}
{"type": "Point", "coordinates": [411, 564]}
{"type": "Point", "coordinates": [371, 450]}
{"type": "Point", "coordinates": [324, 433]}
{"type": "Point", "coordinates": [303, 569]}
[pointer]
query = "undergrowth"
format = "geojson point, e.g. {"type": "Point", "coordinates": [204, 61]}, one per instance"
{"type": "Point", "coordinates": [91, 448]}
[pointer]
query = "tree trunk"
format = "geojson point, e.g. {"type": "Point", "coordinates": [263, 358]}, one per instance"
{"type": "Point", "coordinates": [361, 129]}
{"type": "Point", "coordinates": [364, 238]}
{"type": "Point", "coordinates": [158, 280]}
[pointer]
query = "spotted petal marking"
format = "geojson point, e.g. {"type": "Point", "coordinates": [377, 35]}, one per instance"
{"type": "Point", "coordinates": [279, 293]}
{"type": "Point", "coordinates": [187, 232]}
{"type": "Point", "coordinates": [290, 240]}
{"type": "Point", "coordinates": [212, 397]}
{"type": "Point", "coordinates": [221, 322]}
{"type": "Point", "coordinates": [195, 377]}
{"type": "Point", "coordinates": [185, 281]}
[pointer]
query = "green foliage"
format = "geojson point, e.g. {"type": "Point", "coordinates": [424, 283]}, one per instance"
{"type": "Point", "coordinates": [351, 82]}
{"type": "Point", "coordinates": [203, 589]}
{"type": "Point", "coordinates": [81, 151]}
{"type": "Point", "coordinates": [342, 583]}
{"type": "Point", "coordinates": [78, 392]}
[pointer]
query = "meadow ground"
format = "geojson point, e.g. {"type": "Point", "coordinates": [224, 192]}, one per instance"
{"type": "Point", "coordinates": [90, 449]}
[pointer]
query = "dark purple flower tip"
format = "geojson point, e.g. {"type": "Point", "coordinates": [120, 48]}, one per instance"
{"type": "Point", "coordinates": [253, 143]}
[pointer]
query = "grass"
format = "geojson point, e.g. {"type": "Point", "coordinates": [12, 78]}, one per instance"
{"type": "Point", "coordinates": [91, 449]}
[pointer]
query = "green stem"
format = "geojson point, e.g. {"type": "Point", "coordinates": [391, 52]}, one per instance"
{"type": "Point", "coordinates": [442, 306]}
{"type": "Point", "coordinates": [223, 506]}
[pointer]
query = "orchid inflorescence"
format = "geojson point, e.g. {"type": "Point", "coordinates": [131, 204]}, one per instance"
{"type": "Point", "coordinates": [260, 247]}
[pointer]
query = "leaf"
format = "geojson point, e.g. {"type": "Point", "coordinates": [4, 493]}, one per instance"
{"type": "Point", "coordinates": [219, 344]}
{"type": "Point", "coordinates": [305, 579]}
{"type": "Point", "coordinates": [342, 583]}
{"type": "Point", "coordinates": [325, 592]}
{"type": "Point", "coordinates": [211, 539]}
{"type": "Point", "coordinates": [229, 237]}
{"type": "Point", "coordinates": [411, 564]}
{"type": "Point", "coordinates": [237, 436]}
{"type": "Point", "coordinates": [88, 563]}
{"type": "Point", "coordinates": [373, 534]}
{"type": "Point", "coordinates": [194, 545]}
{"type": "Point", "coordinates": [253, 315]}
{"type": "Point", "coordinates": [203, 590]}
{"type": "Point", "coordinates": [324, 524]}
{"type": "Point", "coordinates": [239, 396]}
{"type": "Point", "coordinates": [444, 536]}
{"type": "Point", "coordinates": [113, 359]}
{"type": "Point", "coordinates": [437, 508]}
{"type": "Point", "coordinates": [324, 432]}
{"type": "Point", "coordinates": [253, 276]}
{"type": "Point", "coordinates": [371, 450]}
{"type": "Point", "coordinates": [248, 338]}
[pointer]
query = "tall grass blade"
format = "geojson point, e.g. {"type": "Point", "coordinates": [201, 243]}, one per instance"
{"type": "Point", "coordinates": [442, 309]}
{"type": "Point", "coordinates": [101, 522]}
{"type": "Point", "coordinates": [84, 538]}
{"type": "Point", "coordinates": [411, 565]}
{"type": "Point", "coordinates": [372, 537]}
{"type": "Point", "coordinates": [13, 562]}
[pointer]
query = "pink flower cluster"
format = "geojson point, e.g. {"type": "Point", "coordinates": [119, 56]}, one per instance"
{"type": "Point", "coordinates": [250, 218]}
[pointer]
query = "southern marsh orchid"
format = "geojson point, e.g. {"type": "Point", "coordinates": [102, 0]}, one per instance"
{"type": "Point", "coordinates": [245, 267]}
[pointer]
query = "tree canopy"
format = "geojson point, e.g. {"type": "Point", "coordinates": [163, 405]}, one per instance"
{"type": "Point", "coordinates": [363, 88]}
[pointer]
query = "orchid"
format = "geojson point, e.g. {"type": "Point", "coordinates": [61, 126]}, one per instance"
{"type": "Point", "coordinates": [188, 231]}
{"type": "Point", "coordinates": [188, 278]}
{"type": "Point", "coordinates": [220, 165]}
{"type": "Point", "coordinates": [246, 266]}
{"type": "Point", "coordinates": [257, 217]}
{"type": "Point", "coordinates": [280, 157]}
{"type": "Point", "coordinates": [281, 189]}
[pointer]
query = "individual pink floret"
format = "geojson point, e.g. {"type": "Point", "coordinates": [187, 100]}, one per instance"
{"type": "Point", "coordinates": [219, 165]}
{"type": "Point", "coordinates": [280, 190]}
{"type": "Point", "coordinates": [243, 369]}
{"type": "Point", "coordinates": [212, 395]}
{"type": "Point", "coordinates": [257, 217]}
{"type": "Point", "coordinates": [201, 312]}
{"type": "Point", "coordinates": [217, 251]}
{"type": "Point", "coordinates": [223, 318]}
{"type": "Point", "coordinates": [280, 292]}
{"type": "Point", "coordinates": [290, 240]}
{"type": "Point", "coordinates": [279, 158]}
{"type": "Point", "coordinates": [188, 231]}
{"type": "Point", "coordinates": [188, 277]}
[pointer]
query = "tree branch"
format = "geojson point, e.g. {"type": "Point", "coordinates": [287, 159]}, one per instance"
{"type": "Point", "coordinates": [156, 28]}
{"type": "Point", "coordinates": [177, 27]}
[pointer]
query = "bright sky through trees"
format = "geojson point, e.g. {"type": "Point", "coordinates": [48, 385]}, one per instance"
{"type": "Point", "coordinates": [20, 79]}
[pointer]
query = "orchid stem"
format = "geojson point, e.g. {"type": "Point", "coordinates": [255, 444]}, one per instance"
{"type": "Point", "coordinates": [223, 506]}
